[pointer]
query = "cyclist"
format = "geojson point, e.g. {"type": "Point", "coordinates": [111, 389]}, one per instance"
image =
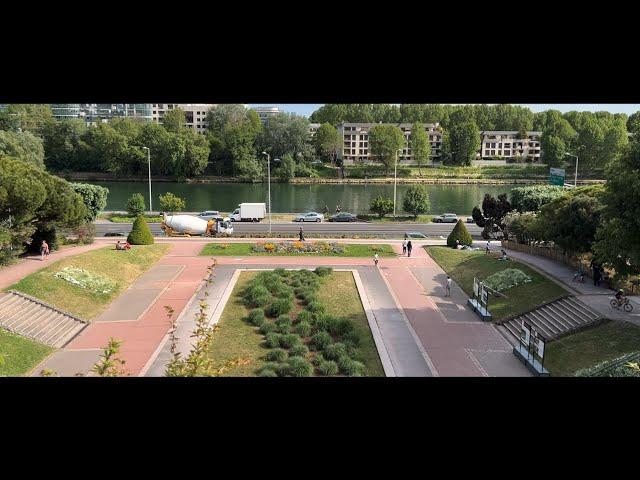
{"type": "Point", "coordinates": [620, 296]}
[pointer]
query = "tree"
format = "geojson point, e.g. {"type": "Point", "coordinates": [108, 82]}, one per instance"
{"type": "Point", "coordinates": [136, 205]}
{"type": "Point", "coordinates": [239, 139]}
{"type": "Point", "coordinates": [171, 203]}
{"type": "Point", "coordinates": [196, 155]}
{"type": "Point", "coordinates": [381, 206]}
{"type": "Point", "coordinates": [618, 239]}
{"type": "Point", "coordinates": [94, 198]}
{"type": "Point", "coordinates": [633, 123]}
{"type": "Point", "coordinates": [571, 220]}
{"type": "Point", "coordinates": [464, 142]}
{"type": "Point", "coordinates": [140, 232]}
{"type": "Point", "coordinates": [31, 117]}
{"type": "Point", "coordinates": [416, 200]}
{"type": "Point", "coordinates": [284, 133]}
{"type": "Point", "coordinates": [220, 115]}
{"type": "Point", "coordinates": [491, 218]}
{"type": "Point", "coordinates": [459, 233]}
{"type": "Point", "coordinates": [531, 198]}
{"type": "Point", "coordinates": [553, 150]}
{"type": "Point", "coordinates": [384, 143]}
{"type": "Point", "coordinates": [420, 145]}
{"type": "Point", "coordinates": [327, 141]}
{"type": "Point", "coordinates": [174, 120]}
{"type": "Point", "coordinates": [110, 364]}
{"type": "Point", "coordinates": [287, 168]}
{"type": "Point", "coordinates": [64, 147]}
{"type": "Point", "coordinates": [522, 226]}
{"type": "Point", "coordinates": [22, 145]}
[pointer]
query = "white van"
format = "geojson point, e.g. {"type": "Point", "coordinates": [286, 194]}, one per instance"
{"type": "Point", "coordinates": [249, 212]}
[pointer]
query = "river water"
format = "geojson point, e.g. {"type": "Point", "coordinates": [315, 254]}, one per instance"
{"type": "Point", "coordinates": [225, 197]}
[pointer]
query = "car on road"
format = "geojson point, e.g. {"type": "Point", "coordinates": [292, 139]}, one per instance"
{"type": "Point", "coordinates": [309, 217]}
{"type": "Point", "coordinates": [446, 218]}
{"type": "Point", "coordinates": [415, 235]}
{"type": "Point", "coordinates": [116, 234]}
{"type": "Point", "coordinates": [343, 217]}
{"type": "Point", "coordinates": [470, 220]}
{"type": "Point", "coordinates": [209, 215]}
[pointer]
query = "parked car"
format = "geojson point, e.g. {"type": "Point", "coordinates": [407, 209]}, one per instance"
{"type": "Point", "coordinates": [309, 217]}
{"type": "Point", "coordinates": [446, 218]}
{"type": "Point", "coordinates": [116, 234]}
{"type": "Point", "coordinates": [209, 215]}
{"type": "Point", "coordinates": [343, 217]}
{"type": "Point", "coordinates": [470, 220]}
{"type": "Point", "coordinates": [415, 235]}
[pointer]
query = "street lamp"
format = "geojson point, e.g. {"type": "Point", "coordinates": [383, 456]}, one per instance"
{"type": "Point", "coordinates": [575, 181]}
{"type": "Point", "coordinates": [395, 182]}
{"type": "Point", "coordinates": [269, 187]}
{"type": "Point", "coordinates": [149, 161]}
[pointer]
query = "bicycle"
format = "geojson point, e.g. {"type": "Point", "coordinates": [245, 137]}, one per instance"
{"type": "Point", "coordinates": [578, 276]}
{"type": "Point", "coordinates": [623, 303]}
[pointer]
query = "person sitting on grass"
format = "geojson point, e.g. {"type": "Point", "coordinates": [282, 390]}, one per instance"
{"type": "Point", "coordinates": [119, 246]}
{"type": "Point", "coordinates": [504, 255]}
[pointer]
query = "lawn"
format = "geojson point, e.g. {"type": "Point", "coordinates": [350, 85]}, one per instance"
{"type": "Point", "coordinates": [463, 265]}
{"type": "Point", "coordinates": [609, 340]}
{"type": "Point", "coordinates": [18, 355]}
{"type": "Point", "coordinates": [127, 219]}
{"type": "Point", "coordinates": [237, 339]}
{"type": "Point", "coordinates": [119, 268]}
{"type": "Point", "coordinates": [246, 249]}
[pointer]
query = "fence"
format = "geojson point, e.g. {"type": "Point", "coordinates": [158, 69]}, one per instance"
{"type": "Point", "coordinates": [549, 252]}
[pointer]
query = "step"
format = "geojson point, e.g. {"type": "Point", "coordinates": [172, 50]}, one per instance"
{"type": "Point", "coordinates": [512, 328]}
{"type": "Point", "coordinates": [62, 330]}
{"type": "Point", "coordinates": [22, 315]}
{"type": "Point", "coordinates": [63, 340]}
{"type": "Point", "coordinates": [549, 331]}
{"type": "Point", "coordinates": [571, 317]}
{"type": "Point", "coordinates": [7, 313]}
{"type": "Point", "coordinates": [586, 309]}
{"type": "Point", "coordinates": [557, 318]}
{"type": "Point", "coordinates": [47, 326]}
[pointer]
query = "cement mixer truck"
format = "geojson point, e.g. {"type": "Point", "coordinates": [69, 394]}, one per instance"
{"type": "Point", "coordinates": [188, 225]}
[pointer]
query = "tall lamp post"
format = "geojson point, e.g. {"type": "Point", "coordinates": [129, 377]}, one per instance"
{"type": "Point", "coordinates": [149, 162]}
{"type": "Point", "coordinates": [575, 181]}
{"type": "Point", "coordinates": [395, 182]}
{"type": "Point", "coordinates": [269, 183]}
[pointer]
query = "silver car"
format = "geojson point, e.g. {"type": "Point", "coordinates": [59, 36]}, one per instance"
{"type": "Point", "coordinates": [446, 218]}
{"type": "Point", "coordinates": [309, 217]}
{"type": "Point", "coordinates": [209, 215]}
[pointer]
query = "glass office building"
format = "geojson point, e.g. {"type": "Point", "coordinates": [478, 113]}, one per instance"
{"type": "Point", "coordinates": [102, 112]}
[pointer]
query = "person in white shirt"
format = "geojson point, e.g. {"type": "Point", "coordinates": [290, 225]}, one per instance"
{"type": "Point", "coordinates": [447, 287]}
{"type": "Point", "coordinates": [375, 259]}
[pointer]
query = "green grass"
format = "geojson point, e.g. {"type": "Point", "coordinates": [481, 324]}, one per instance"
{"type": "Point", "coordinates": [609, 340]}
{"type": "Point", "coordinates": [245, 249]}
{"type": "Point", "coordinates": [127, 219]}
{"type": "Point", "coordinates": [18, 355]}
{"type": "Point", "coordinates": [122, 267]}
{"type": "Point", "coordinates": [236, 339]}
{"type": "Point", "coordinates": [463, 265]}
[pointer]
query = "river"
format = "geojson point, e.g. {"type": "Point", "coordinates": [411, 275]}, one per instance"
{"type": "Point", "coordinates": [352, 198]}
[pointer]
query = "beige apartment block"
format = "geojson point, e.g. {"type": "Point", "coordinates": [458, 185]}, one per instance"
{"type": "Point", "coordinates": [195, 113]}
{"type": "Point", "coordinates": [355, 141]}
{"type": "Point", "coordinates": [510, 144]}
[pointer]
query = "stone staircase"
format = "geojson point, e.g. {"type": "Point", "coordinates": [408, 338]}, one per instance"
{"type": "Point", "coordinates": [553, 320]}
{"type": "Point", "coordinates": [32, 318]}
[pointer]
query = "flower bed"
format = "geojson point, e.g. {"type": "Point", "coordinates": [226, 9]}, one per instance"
{"type": "Point", "coordinates": [84, 279]}
{"type": "Point", "coordinates": [506, 279]}
{"type": "Point", "coordinates": [321, 248]}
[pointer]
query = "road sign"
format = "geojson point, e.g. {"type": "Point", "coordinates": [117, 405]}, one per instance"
{"type": "Point", "coordinates": [556, 176]}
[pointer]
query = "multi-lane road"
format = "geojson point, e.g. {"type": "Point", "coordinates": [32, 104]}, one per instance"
{"type": "Point", "coordinates": [325, 228]}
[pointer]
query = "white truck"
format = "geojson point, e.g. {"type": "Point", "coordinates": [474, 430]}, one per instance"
{"type": "Point", "coordinates": [249, 212]}
{"type": "Point", "coordinates": [188, 225]}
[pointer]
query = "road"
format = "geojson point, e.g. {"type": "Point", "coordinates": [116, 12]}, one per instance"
{"type": "Point", "coordinates": [325, 228]}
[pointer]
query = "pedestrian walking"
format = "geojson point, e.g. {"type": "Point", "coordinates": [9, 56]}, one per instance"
{"type": "Point", "coordinates": [375, 259]}
{"type": "Point", "coordinates": [337, 208]}
{"type": "Point", "coordinates": [301, 235]}
{"type": "Point", "coordinates": [44, 249]}
{"type": "Point", "coordinates": [597, 275]}
{"type": "Point", "coordinates": [326, 208]}
{"type": "Point", "coordinates": [409, 248]}
{"type": "Point", "coordinates": [447, 287]}
{"type": "Point", "coordinates": [488, 249]}
{"type": "Point", "coordinates": [404, 247]}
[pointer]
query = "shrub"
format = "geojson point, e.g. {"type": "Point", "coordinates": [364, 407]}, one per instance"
{"type": "Point", "coordinates": [316, 307]}
{"type": "Point", "coordinates": [284, 323]}
{"type": "Point", "coordinates": [459, 233]}
{"type": "Point", "coordinates": [279, 307]}
{"type": "Point", "coordinates": [320, 340]}
{"type": "Point", "coordinates": [290, 340]}
{"type": "Point", "coordinates": [171, 203]}
{"type": "Point", "coordinates": [272, 340]}
{"type": "Point", "coordinates": [323, 271]}
{"type": "Point", "coordinates": [276, 355]}
{"type": "Point", "coordinates": [381, 206]}
{"type": "Point", "coordinates": [282, 369]}
{"type": "Point", "coordinates": [334, 351]}
{"type": "Point", "coordinates": [267, 327]}
{"type": "Point", "coordinates": [305, 316]}
{"type": "Point", "coordinates": [299, 350]}
{"type": "Point", "coordinates": [281, 272]}
{"type": "Point", "coordinates": [256, 317]}
{"type": "Point", "coordinates": [140, 233]}
{"type": "Point", "coordinates": [256, 296]}
{"type": "Point", "coordinates": [267, 372]}
{"type": "Point", "coordinates": [328, 368]}
{"type": "Point", "coordinates": [319, 358]}
{"type": "Point", "coordinates": [303, 329]}
{"type": "Point", "coordinates": [136, 205]}
{"type": "Point", "coordinates": [416, 200]}
{"type": "Point", "coordinates": [299, 367]}
{"type": "Point", "coordinates": [339, 326]}
{"type": "Point", "coordinates": [85, 233]}
{"type": "Point", "coordinates": [352, 338]}
{"type": "Point", "coordinates": [350, 367]}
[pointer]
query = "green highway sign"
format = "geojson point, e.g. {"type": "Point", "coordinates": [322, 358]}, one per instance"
{"type": "Point", "coordinates": [556, 176]}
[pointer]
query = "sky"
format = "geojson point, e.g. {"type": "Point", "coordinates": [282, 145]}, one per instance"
{"type": "Point", "coordinates": [307, 109]}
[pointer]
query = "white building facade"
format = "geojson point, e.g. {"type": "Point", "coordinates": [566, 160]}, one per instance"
{"type": "Point", "coordinates": [510, 145]}
{"type": "Point", "coordinates": [266, 112]}
{"type": "Point", "coordinates": [195, 113]}
{"type": "Point", "coordinates": [355, 141]}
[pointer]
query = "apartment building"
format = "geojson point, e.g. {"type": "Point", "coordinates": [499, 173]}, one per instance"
{"type": "Point", "coordinates": [509, 144]}
{"type": "Point", "coordinates": [355, 141]}
{"type": "Point", "coordinates": [313, 128]}
{"type": "Point", "coordinates": [94, 113]}
{"type": "Point", "coordinates": [195, 113]}
{"type": "Point", "coordinates": [266, 112]}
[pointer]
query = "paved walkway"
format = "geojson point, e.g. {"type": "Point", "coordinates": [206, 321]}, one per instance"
{"type": "Point", "coordinates": [597, 297]}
